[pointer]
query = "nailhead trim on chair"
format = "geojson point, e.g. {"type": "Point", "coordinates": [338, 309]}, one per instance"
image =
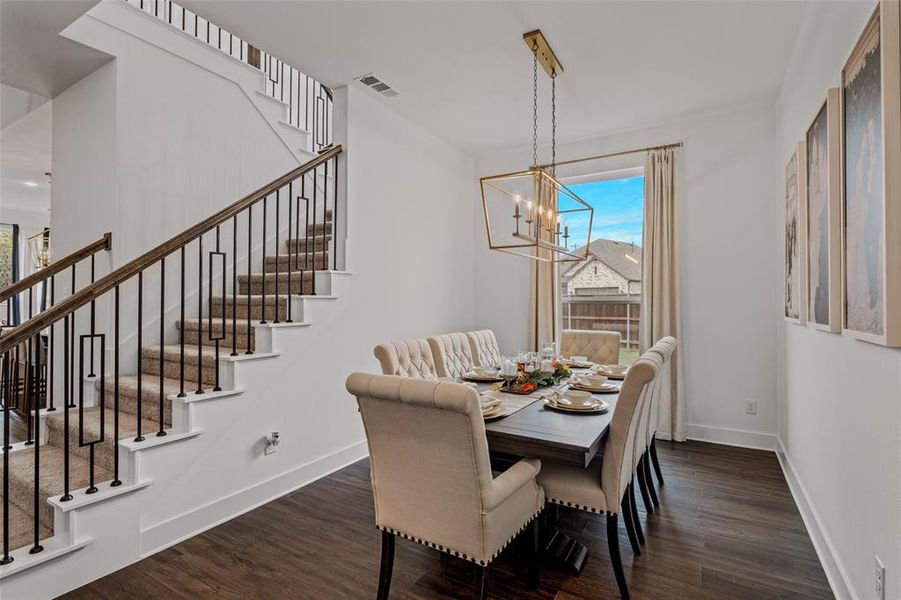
{"type": "Point", "coordinates": [455, 552]}
{"type": "Point", "coordinates": [579, 506]}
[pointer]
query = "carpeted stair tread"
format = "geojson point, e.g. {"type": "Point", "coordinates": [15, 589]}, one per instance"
{"type": "Point", "coordinates": [301, 244]}
{"type": "Point", "coordinates": [194, 328]}
{"type": "Point", "coordinates": [299, 284]}
{"type": "Point", "coordinates": [300, 261]}
{"type": "Point", "coordinates": [21, 528]}
{"type": "Point", "coordinates": [171, 359]}
{"type": "Point", "coordinates": [150, 394]}
{"type": "Point", "coordinates": [257, 302]}
{"type": "Point", "coordinates": [21, 478]}
{"type": "Point", "coordinates": [104, 452]}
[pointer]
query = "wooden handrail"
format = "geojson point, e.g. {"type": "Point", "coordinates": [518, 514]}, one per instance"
{"type": "Point", "coordinates": [128, 270]}
{"type": "Point", "coordinates": [104, 243]}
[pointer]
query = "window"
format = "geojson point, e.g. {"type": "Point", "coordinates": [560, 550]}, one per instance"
{"type": "Point", "coordinates": [607, 297]}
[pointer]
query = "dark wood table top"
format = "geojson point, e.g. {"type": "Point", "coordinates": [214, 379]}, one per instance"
{"type": "Point", "coordinates": [551, 435]}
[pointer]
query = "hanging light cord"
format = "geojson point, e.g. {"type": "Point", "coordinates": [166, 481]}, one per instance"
{"type": "Point", "coordinates": [534, 104]}
{"type": "Point", "coordinates": [554, 122]}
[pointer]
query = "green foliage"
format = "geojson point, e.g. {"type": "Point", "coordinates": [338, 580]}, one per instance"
{"type": "Point", "coordinates": [6, 258]}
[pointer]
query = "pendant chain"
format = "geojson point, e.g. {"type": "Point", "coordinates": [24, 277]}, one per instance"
{"type": "Point", "coordinates": [554, 122]}
{"type": "Point", "coordinates": [534, 104]}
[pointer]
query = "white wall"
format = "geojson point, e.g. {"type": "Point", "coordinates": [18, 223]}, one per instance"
{"type": "Point", "coordinates": [728, 243]}
{"type": "Point", "coordinates": [839, 399]}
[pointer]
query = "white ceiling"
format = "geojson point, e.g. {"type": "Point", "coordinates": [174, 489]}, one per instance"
{"type": "Point", "coordinates": [464, 72]}
{"type": "Point", "coordinates": [33, 56]}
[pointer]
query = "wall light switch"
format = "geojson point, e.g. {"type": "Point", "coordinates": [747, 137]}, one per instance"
{"type": "Point", "coordinates": [750, 407]}
{"type": "Point", "coordinates": [880, 579]}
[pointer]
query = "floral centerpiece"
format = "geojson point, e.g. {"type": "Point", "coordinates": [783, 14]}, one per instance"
{"type": "Point", "coordinates": [527, 382]}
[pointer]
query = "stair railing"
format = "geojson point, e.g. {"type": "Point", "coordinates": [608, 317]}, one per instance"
{"type": "Point", "coordinates": [306, 196]}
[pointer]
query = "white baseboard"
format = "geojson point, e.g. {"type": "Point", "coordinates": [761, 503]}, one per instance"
{"type": "Point", "coordinates": [836, 573]}
{"type": "Point", "coordinates": [167, 533]}
{"type": "Point", "coordinates": [731, 437]}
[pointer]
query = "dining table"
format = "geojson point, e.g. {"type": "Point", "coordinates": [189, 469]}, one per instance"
{"type": "Point", "coordinates": [552, 435]}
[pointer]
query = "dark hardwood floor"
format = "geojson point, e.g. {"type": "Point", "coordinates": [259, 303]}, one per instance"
{"type": "Point", "coordinates": [728, 528]}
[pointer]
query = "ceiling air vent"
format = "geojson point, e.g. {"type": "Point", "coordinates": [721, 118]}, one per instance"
{"type": "Point", "coordinates": [377, 85]}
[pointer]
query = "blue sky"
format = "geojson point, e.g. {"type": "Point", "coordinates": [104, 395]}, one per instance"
{"type": "Point", "coordinates": [618, 209]}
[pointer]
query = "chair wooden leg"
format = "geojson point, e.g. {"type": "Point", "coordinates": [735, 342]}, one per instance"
{"type": "Point", "coordinates": [656, 462]}
{"type": "Point", "coordinates": [649, 479]}
{"type": "Point", "coordinates": [387, 565]}
{"type": "Point", "coordinates": [643, 487]}
{"type": "Point", "coordinates": [534, 555]}
{"type": "Point", "coordinates": [630, 526]}
{"type": "Point", "coordinates": [615, 559]}
{"type": "Point", "coordinates": [480, 589]}
{"type": "Point", "coordinates": [636, 521]}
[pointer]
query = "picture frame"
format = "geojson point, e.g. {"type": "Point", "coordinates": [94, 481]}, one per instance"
{"type": "Point", "coordinates": [822, 207]}
{"type": "Point", "coordinates": [795, 263]}
{"type": "Point", "coordinates": [871, 193]}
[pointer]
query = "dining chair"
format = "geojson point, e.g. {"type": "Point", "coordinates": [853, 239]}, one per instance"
{"type": "Point", "coordinates": [452, 353]}
{"type": "Point", "coordinates": [431, 475]}
{"type": "Point", "coordinates": [483, 347]}
{"type": "Point", "coordinates": [407, 358]}
{"type": "Point", "coordinates": [601, 347]}
{"type": "Point", "coordinates": [639, 450]}
{"type": "Point", "coordinates": [602, 487]}
{"type": "Point", "coordinates": [666, 347]}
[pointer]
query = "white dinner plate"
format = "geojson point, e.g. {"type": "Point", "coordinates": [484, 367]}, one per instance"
{"type": "Point", "coordinates": [602, 406]}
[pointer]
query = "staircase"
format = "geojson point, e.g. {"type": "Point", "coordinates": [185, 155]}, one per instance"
{"type": "Point", "coordinates": [45, 484]}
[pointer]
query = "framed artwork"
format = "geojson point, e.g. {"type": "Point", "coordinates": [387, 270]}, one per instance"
{"type": "Point", "coordinates": [871, 193]}
{"type": "Point", "coordinates": [795, 308]}
{"type": "Point", "coordinates": [823, 212]}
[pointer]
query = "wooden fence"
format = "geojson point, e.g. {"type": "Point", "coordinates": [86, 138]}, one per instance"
{"type": "Point", "coordinates": [604, 313]}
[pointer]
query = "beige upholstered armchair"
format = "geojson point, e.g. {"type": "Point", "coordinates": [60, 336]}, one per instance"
{"type": "Point", "coordinates": [483, 346]}
{"type": "Point", "coordinates": [407, 358]}
{"type": "Point", "coordinates": [605, 487]}
{"type": "Point", "coordinates": [431, 476]}
{"type": "Point", "coordinates": [601, 347]}
{"type": "Point", "coordinates": [452, 353]}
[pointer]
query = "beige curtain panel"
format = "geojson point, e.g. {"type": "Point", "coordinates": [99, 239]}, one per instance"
{"type": "Point", "coordinates": [660, 286]}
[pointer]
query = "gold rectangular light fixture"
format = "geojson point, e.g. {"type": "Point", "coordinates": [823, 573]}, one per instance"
{"type": "Point", "coordinates": [531, 213]}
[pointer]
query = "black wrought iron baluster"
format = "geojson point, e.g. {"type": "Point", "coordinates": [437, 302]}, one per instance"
{"type": "Point", "coordinates": [7, 405]}
{"type": "Point", "coordinates": [162, 398]}
{"type": "Point", "coordinates": [263, 276]}
{"type": "Point", "coordinates": [306, 245]}
{"type": "Point", "coordinates": [68, 402]}
{"type": "Point", "coordinates": [199, 389]}
{"type": "Point", "coordinates": [93, 321]}
{"type": "Point", "coordinates": [278, 256]}
{"type": "Point", "coordinates": [139, 436]}
{"type": "Point", "coordinates": [71, 333]}
{"type": "Point", "coordinates": [218, 337]}
{"type": "Point", "coordinates": [181, 337]}
{"type": "Point", "coordinates": [234, 288]}
{"type": "Point", "coordinates": [278, 205]}
{"type": "Point", "coordinates": [36, 417]}
{"type": "Point", "coordinates": [51, 349]}
{"type": "Point", "coordinates": [335, 220]}
{"type": "Point", "coordinates": [303, 194]}
{"type": "Point", "coordinates": [249, 262]}
{"type": "Point", "coordinates": [91, 444]}
{"type": "Point", "coordinates": [325, 218]}
{"type": "Point", "coordinates": [29, 381]}
{"type": "Point", "coordinates": [311, 231]}
{"type": "Point", "coordinates": [116, 481]}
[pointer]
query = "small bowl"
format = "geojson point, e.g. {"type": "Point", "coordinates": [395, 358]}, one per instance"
{"type": "Point", "coordinates": [484, 371]}
{"type": "Point", "coordinates": [594, 381]}
{"type": "Point", "coordinates": [579, 360]}
{"type": "Point", "coordinates": [577, 397]}
{"type": "Point", "coordinates": [615, 369]}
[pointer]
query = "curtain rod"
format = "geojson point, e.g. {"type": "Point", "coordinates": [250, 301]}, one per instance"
{"type": "Point", "coordinates": [621, 153]}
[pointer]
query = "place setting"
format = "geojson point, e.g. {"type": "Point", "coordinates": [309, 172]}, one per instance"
{"type": "Point", "coordinates": [576, 401]}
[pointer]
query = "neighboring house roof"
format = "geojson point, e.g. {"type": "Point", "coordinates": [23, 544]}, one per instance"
{"type": "Point", "coordinates": [622, 257]}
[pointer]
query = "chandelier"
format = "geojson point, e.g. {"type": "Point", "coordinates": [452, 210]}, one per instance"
{"type": "Point", "coordinates": [531, 213]}
{"type": "Point", "coordinates": [39, 248]}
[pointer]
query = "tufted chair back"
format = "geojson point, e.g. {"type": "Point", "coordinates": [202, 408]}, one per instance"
{"type": "Point", "coordinates": [430, 471]}
{"type": "Point", "coordinates": [408, 358]}
{"type": "Point", "coordinates": [665, 349]}
{"type": "Point", "coordinates": [601, 347]}
{"type": "Point", "coordinates": [616, 469]}
{"type": "Point", "coordinates": [452, 353]}
{"type": "Point", "coordinates": [646, 405]}
{"type": "Point", "coordinates": [483, 346]}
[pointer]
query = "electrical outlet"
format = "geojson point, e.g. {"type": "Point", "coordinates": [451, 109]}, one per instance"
{"type": "Point", "coordinates": [271, 444]}
{"type": "Point", "coordinates": [880, 579]}
{"type": "Point", "coordinates": [750, 407]}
